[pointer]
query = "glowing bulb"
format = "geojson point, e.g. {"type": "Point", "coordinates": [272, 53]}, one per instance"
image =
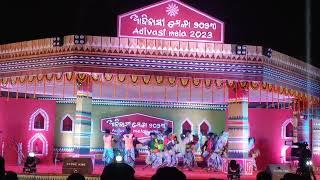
{"type": "Point", "coordinates": [31, 154]}
{"type": "Point", "coordinates": [118, 158]}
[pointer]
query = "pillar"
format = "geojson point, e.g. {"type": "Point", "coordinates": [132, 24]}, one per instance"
{"type": "Point", "coordinates": [237, 123]}
{"type": "Point", "coordinates": [82, 133]}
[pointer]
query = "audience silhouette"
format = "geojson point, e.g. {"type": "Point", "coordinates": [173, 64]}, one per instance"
{"type": "Point", "coordinates": [263, 175]}
{"type": "Point", "coordinates": [2, 168]}
{"type": "Point", "coordinates": [10, 175]}
{"type": "Point", "coordinates": [118, 171]}
{"type": "Point", "coordinates": [166, 173]}
{"type": "Point", "coordinates": [76, 176]}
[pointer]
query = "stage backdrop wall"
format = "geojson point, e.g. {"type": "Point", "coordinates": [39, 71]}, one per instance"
{"type": "Point", "coordinates": [15, 118]}
{"type": "Point", "coordinates": [215, 118]}
{"type": "Point", "coordinates": [265, 127]}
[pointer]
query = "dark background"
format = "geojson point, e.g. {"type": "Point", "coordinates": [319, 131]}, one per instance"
{"type": "Point", "coordinates": [279, 24]}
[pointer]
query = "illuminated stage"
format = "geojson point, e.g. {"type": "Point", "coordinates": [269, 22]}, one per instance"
{"type": "Point", "coordinates": [61, 93]}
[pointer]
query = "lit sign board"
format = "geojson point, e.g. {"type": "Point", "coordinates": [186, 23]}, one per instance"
{"type": "Point", "coordinates": [172, 20]}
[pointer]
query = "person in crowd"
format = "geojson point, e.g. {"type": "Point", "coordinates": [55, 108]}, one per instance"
{"type": "Point", "coordinates": [166, 173]}
{"type": "Point", "coordinates": [153, 159]}
{"type": "Point", "coordinates": [207, 149]}
{"type": "Point", "coordinates": [253, 152]}
{"type": "Point", "coordinates": [135, 143]}
{"type": "Point", "coordinates": [189, 156]}
{"type": "Point", "coordinates": [108, 153]}
{"type": "Point", "coordinates": [290, 176]}
{"type": "Point", "coordinates": [76, 176]}
{"type": "Point", "coordinates": [10, 175]}
{"type": "Point", "coordinates": [170, 153]}
{"type": "Point", "coordinates": [118, 171]}
{"type": "Point", "coordinates": [215, 160]}
{"type": "Point", "coordinates": [129, 155]}
{"type": "Point", "coordinates": [2, 168]}
{"type": "Point", "coordinates": [186, 138]}
{"type": "Point", "coordinates": [263, 175]}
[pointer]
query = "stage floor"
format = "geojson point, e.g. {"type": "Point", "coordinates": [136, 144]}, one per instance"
{"type": "Point", "coordinates": [141, 174]}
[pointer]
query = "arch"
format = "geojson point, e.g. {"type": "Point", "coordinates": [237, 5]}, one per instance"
{"type": "Point", "coordinates": [186, 125]}
{"type": "Point", "coordinates": [67, 124]}
{"type": "Point", "coordinates": [284, 154]}
{"type": "Point", "coordinates": [35, 142]}
{"type": "Point", "coordinates": [36, 118]}
{"type": "Point", "coordinates": [38, 122]}
{"type": "Point", "coordinates": [204, 125]}
{"type": "Point", "coordinates": [289, 130]}
{"type": "Point", "coordinates": [287, 125]}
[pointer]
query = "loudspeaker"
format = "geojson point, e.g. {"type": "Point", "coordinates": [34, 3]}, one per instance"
{"type": "Point", "coordinates": [83, 166]}
{"type": "Point", "coordinates": [277, 170]}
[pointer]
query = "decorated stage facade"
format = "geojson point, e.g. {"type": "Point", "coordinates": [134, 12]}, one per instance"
{"type": "Point", "coordinates": [59, 94]}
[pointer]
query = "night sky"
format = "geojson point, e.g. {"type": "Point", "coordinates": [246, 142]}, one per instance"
{"type": "Point", "coordinates": [279, 24]}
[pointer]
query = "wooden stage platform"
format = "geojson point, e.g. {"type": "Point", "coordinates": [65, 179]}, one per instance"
{"type": "Point", "coordinates": [52, 172]}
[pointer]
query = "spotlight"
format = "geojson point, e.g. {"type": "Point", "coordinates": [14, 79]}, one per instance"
{"type": "Point", "coordinates": [79, 39]}
{"type": "Point", "coordinates": [309, 163]}
{"type": "Point", "coordinates": [30, 166]}
{"type": "Point", "coordinates": [57, 41]}
{"type": "Point", "coordinates": [239, 49]}
{"type": "Point", "coordinates": [119, 158]}
{"type": "Point", "coordinates": [267, 52]}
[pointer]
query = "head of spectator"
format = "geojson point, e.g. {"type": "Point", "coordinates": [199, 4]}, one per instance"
{"type": "Point", "coordinates": [11, 176]}
{"type": "Point", "coordinates": [263, 175]}
{"type": "Point", "coordinates": [169, 173]}
{"type": "Point", "coordinates": [76, 176]}
{"type": "Point", "coordinates": [2, 167]}
{"type": "Point", "coordinates": [117, 171]}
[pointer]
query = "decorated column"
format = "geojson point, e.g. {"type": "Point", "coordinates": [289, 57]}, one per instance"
{"type": "Point", "coordinates": [237, 123]}
{"type": "Point", "coordinates": [238, 128]}
{"type": "Point", "coordinates": [82, 132]}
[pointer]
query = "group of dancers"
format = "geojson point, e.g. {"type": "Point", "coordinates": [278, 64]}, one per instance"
{"type": "Point", "coordinates": [164, 149]}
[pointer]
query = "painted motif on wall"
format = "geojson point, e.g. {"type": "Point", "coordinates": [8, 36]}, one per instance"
{"type": "Point", "coordinates": [141, 124]}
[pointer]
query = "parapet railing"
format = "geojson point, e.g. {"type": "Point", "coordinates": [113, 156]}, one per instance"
{"type": "Point", "coordinates": [153, 47]}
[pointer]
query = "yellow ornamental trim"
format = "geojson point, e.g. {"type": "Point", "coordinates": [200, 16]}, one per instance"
{"type": "Point", "coordinates": [254, 85]}
{"type": "Point", "coordinates": [230, 84]}
{"type": "Point", "coordinates": [265, 86]}
{"type": "Point", "coordinates": [184, 81]}
{"type": "Point", "coordinates": [219, 83]}
{"type": "Point", "coordinates": [196, 82]}
{"type": "Point", "coordinates": [69, 76]}
{"type": "Point", "coordinates": [134, 78]}
{"type": "Point", "coordinates": [108, 76]}
{"type": "Point", "coordinates": [244, 84]}
{"type": "Point", "coordinates": [270, 87]}
{"type": "Point", "coordinates": [22, 79]}
{"type": "Point", "coordinates": [208, 83]}
{"type": "Point", "coordinates": [58, 76]}
{"type": "Point", "coordinates": [40, 77]}
{"type": "Point", "coordinates": [291, 92]}
{"type": "Point", "coordinates": [121, 77]}
{"type": "Point", "coordinates": [82, 77]}
{"type": "Point", "coordinates": [146, 79]}
{"type": "Point", "coordinates": [172, 81]}
{"type": "Point", "coordinates": [49, 77]}
{"type": "Point", "coordinates": [13, 80]}
{"type": "Point", "coordinates": [31, 78]}
{"type": "Point", "coordinates": [159, 79]}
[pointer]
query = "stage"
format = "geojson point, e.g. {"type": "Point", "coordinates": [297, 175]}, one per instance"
{"type": "Point", "coordinates": [49, 172]}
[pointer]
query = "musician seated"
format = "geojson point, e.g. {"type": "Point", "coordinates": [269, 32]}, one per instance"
{"type": "Point", "coordinates": [30, 165]}
{"type": "Point", "coordinates": [233, 170]}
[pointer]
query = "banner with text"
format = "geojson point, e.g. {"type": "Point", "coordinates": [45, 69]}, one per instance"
{"type": "Point", "coordinates": [171, 20]}
{"type": "Point", "coordinates": [141, 124]}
